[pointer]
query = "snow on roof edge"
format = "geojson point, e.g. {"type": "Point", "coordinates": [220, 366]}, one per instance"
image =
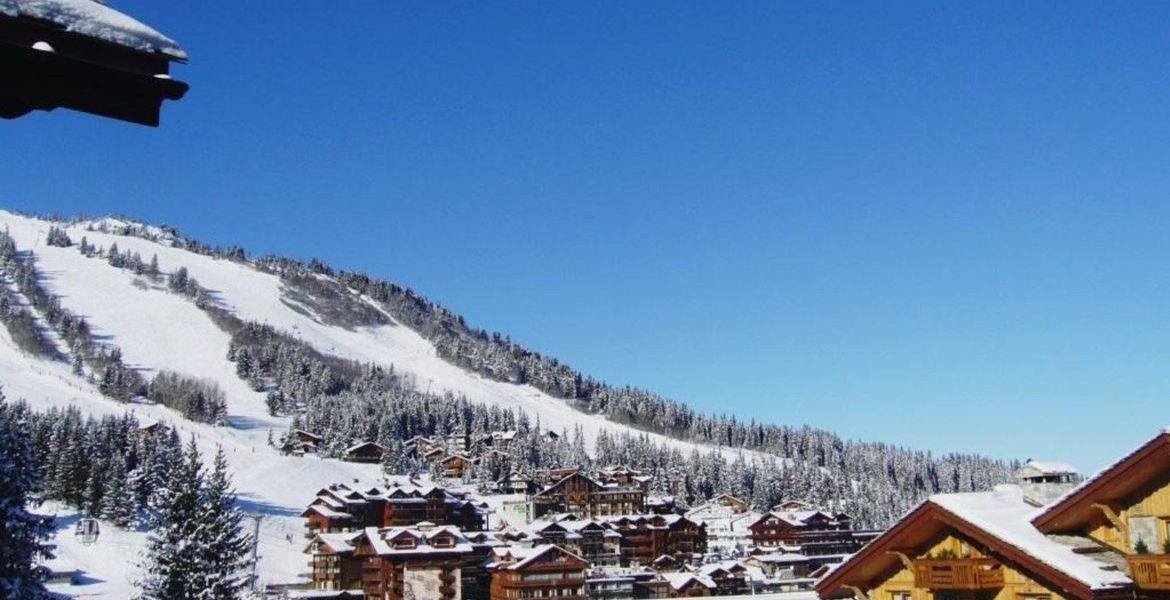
{"type": "Point", "coordinates": [1002, 513]}
{"type": "Point", "coordinates": [96, 20]}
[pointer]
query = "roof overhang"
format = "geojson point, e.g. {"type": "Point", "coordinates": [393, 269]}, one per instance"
{"type": "Point", "coordinates": [44, 68]}
{"type": "Point", "coordinates": [1147, 466]}
{"type": "Point", "coordinates": [925, 523]}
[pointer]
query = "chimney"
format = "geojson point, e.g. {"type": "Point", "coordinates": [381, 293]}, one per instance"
{"type": "Point", "coordinates": [1044, 482]}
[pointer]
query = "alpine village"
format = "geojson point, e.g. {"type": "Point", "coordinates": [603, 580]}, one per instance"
{"type": "Point", "coordinates": [427, 501]}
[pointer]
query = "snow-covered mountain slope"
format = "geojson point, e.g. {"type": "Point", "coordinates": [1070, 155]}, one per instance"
{"type": "Point", "coordinates": [160, 330]}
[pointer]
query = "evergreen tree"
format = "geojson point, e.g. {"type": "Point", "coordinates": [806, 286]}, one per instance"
{"type": "Point", "coordinates": [224, 544]}
{"type": "Point", "coordinates": [22, 533]}
{"type": "Point", "coordinates": [172, 565]}
{"type": "Point", "coordinates": [118, 503]}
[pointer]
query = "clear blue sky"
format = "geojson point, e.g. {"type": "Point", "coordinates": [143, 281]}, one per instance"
{"type": "Point", "coordinates": [939, 225]}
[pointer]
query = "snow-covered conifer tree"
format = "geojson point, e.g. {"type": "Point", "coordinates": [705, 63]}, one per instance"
{"type": "Point", "coordinates": [22, 533]}
{"type": "Point", "coordinates": [173, 568]}
{"type": "Point", "coordinates": [224, 544]}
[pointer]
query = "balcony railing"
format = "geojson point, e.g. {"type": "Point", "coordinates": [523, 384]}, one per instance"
{"type": "Point", "coordinates": [958, 573]}
{"type": "Point", "coordinates": [1150, 571]}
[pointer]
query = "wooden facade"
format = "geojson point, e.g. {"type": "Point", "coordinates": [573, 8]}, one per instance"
{"type": "Point", "coordinates": [586, 497]}
{"type": "Point", "coordinates": [365, 452]}
{"type": "Point", "coordinates": [456, 466]}
{"type": "Point", "coordinates": [543, 572]}
{"type": "Point", "coordinates": [403, 563]}
{"type": "Point", "coordinates": [646, 538]}
{"type": "Point", "coordinates": [1125, 508]}
{"type": "Point", "coordinates": [816, 533]}
{"type": "Point", "coordinates": [332, 564]}
{"type": "Point", "coordinates": [595, 541]}
{"type": "Point", "coordinates": [932, 555]}
{"type": "Point", "coordinates": [341, 508]}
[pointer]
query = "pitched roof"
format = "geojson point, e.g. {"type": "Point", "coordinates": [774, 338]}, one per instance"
{"type": "Point", "coordinates": [525, 556]}
{"type": "Point", "coordinates": [1126, 475]}
{"type": "Point", "coordinates": [361, 445]}
{"type": "Point", "coordinates": [1001, 520]}
{"type": "Point", "coordinates": [678, 581]}
{"type": "Point", "coordinates": [1049, 467]}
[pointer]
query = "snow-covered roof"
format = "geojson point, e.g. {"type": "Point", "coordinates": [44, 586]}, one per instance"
{"type": "Point", "coordinates": [1051, 467]}
{"type": "Point", "coordinates": [680, 580]}
{"type": "Point", "coordinates": [340, 543]}
{"type": "Point", "coordinates": [327, 512]}
{"type": "Point", "coordinates": [1004, 514]}
{"type": "Point", "coordinates": [95, 20]}
{"type": "Point", "coordinates": [783, 558]}
{"type": "Point", "coordinates": [361, 445]}
{"type": "Point", "coordinates": [512, 558]}
{"type": "Point", "coordinates": [424, 535]}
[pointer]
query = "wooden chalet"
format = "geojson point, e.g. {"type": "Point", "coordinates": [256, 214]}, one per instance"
{"type": "Point", "coordinates": [436, 454]}
{"type": "Point", "coordinates": [153, 428]}
{"type": "Point", "coordinates": [541, 572]}
{"type": "Point", "coordinates": [365, 452]}
{"type": "Point", "coordinates": [547, 477]}
{"type": "Point", "coordinates": [322, 518]}
{"type": "Point", "coordinates": [689, 585]}
{"type": "Point", "coordinates": [307, 443]}
{"type": "Point", "coordinates": [646, 538]}
{"type": "Point", "coordinates": [595, 541]}
{"type": "Point", "coordinates": [1126, 509]}
{"type": "Point", "coordinates": [501, 440]}
{"type": "Point", "coordinates": [815, 532]}
{"type": "Point", "coordinates": [736, 505]}
{"type": "Point", "coordinates": [976, 546]}
{"type": "Point", "coordinates": [333, 565]}
{"type": "Point", "coordinates": [341, 508]}
{"type": "Point", "coordinates": [586, 497]}
{"type": "Point", "coordinates": [456, 466]}
{"type": "Point", "coordinates": [621, 475]}
{"type": "Point", "coordinates": [85, 56]}
{"type": "Point", "coordinates": [400, 563]}
{"type": "Point", "coordinates": [516, 483]}
{"type": "Point", "coordinates": [730, 577]}
{"type": "Point", "coordinates": [420, 445]}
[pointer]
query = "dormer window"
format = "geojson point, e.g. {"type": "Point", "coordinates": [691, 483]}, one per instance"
{"type": "Point", "coordinates": [443, 542]}
{"type": "Point", "coordinates": [405, 543]}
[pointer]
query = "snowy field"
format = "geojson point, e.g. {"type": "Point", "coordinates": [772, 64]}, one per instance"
{"type": "Point", "coordinates": [159, 330]}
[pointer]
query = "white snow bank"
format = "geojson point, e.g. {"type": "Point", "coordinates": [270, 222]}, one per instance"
{"type": "Point", "coordinates": [92, 19]}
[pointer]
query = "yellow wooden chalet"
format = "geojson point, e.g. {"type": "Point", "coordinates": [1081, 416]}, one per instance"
{"type": "Point", "coordinates": [1125, 508]}
{"type": "Point", "coordinates": [976, 546]}
{"type": "Point", "coordinates": [1108, 537]}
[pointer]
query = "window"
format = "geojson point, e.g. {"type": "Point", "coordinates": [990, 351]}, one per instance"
{"type": "Point", "coordinates": [1145, 531]}
{"type": "Point", "coordinates": [901, 595]}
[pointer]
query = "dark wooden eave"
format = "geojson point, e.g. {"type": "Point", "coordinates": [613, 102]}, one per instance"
{"type": "Point", "coordinates": [1135, 472]}
{"type": "Point", "coordinates": [925, 523]}
{"type": "Point", "coordinates": [80, 73]}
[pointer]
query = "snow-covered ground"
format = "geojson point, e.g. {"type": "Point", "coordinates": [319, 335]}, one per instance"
{"type": "Point", "coordinates": [159, 330]}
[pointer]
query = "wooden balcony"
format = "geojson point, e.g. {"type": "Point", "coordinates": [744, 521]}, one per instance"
{"type": "Point", "coordinates": [1150, 571]}
{"type": "Point", "coordinates": [958, 573]}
